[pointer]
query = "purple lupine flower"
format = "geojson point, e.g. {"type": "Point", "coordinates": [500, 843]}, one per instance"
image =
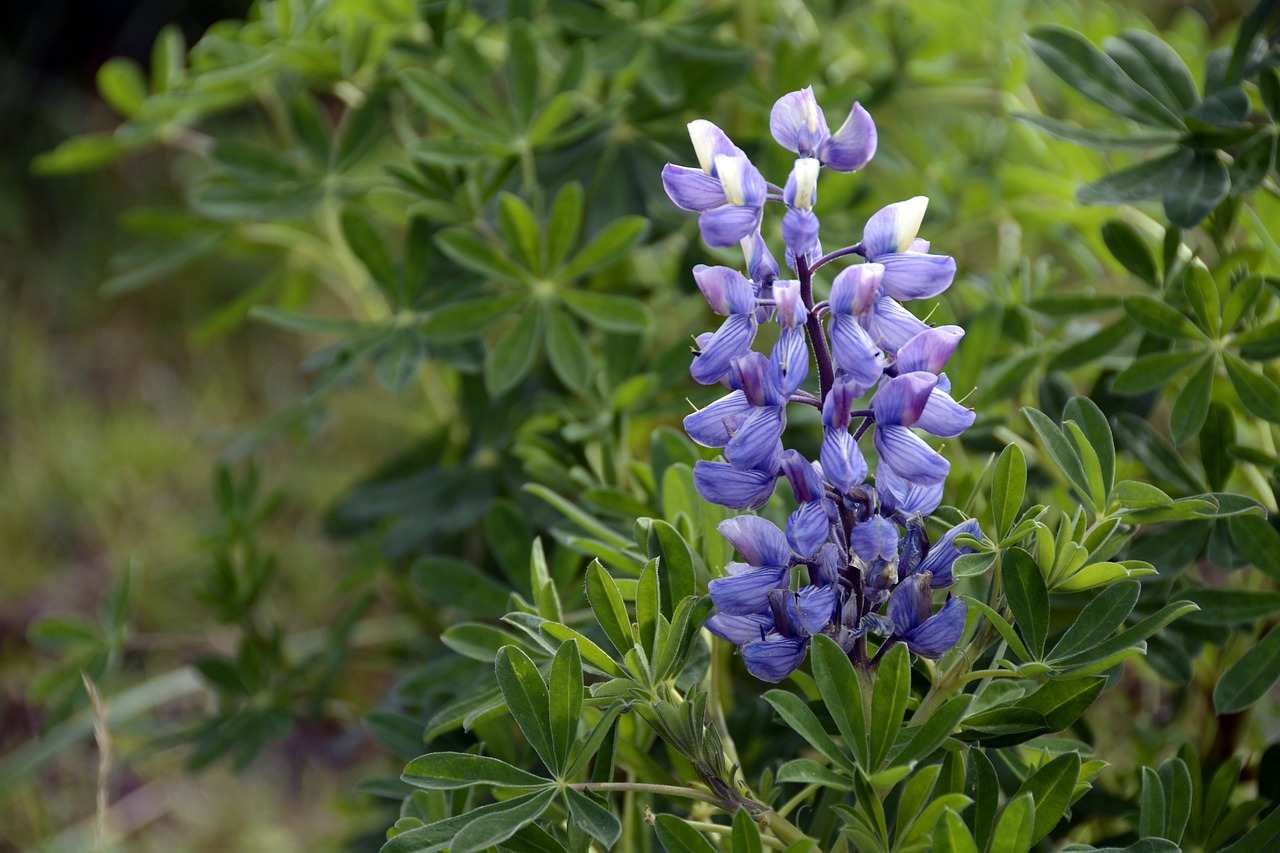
{"type": "Point", "coordinates": [799, 224]}
{"type": "Point", "coordinates": [729, 293]}
{"type": "Point", "coordinates": [926, 633]}
{"type": "Point", "coordinates": [722, 484]}
{"type": "Point", "coordinates": [898, 405]}
{"type": "Point", "coordinates": [895, 493]}
{"type": "Point", "coordinates": [797, 123]}
{"type": "Point", "coordinates": [842, 461]}
{"type": "Point", "coordinates": [853, 294]}
{"type": "Point", "coordinates": [877, 537]}
{"type": "Point", "coordinates": [797, 616]}
{"type": "Point", "coordinates": [808, 527]}
{"type": "Point", "coordinates": [727, 190]}
{"type": "Point", "coordinates": [943, 553]}
{"type": "Point", "coordinates": [910, 272]}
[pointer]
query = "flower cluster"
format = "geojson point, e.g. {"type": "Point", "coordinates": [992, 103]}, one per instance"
{"type": "Point", "coordinates": [854, 558]}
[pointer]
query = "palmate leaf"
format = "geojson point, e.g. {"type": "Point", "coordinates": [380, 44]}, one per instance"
{"type": "Point", "coordinates": [477, 829]}
{"type": "Point", "coordinates": [1142, 182]}
{"type": "Point", "coordinates": [450, 770]}
{"type": "Point", "coordinates": [1096, 138]}
{"type": "Point", "coordinates": [1249, 678]}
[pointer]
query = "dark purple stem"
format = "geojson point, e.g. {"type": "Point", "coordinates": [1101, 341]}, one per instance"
{"type": "Point", "coordinates": [866, 424]}
{"type": "Point", "coordinates": [884, 647]}
{"type": "Point", "coordinates": [818, 338]}
{"type": "Point", "coordinates": [805, 399]}
{"type": "Point", "coordinates": [855, 249]}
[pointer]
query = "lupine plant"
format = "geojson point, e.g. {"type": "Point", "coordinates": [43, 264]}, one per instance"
{"type": "Point", "coordinates": [916, 643]}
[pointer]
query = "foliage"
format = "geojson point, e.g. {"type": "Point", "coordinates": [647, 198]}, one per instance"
{"type": "Point", "coordinates": [463, 202]}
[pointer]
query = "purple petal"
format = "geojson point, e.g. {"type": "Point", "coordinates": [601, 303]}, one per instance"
{"type": "Point", "coordinates": [797, 123]}
{"type": "Point", "coordinates": [807, 529]}
{"type": "Point", "coordinates": [944, 552]}
{"type": "Point", "coordinates": [773, 658]}
{"type": "Point", "coordinates": [940, 632]}
{"type": "Point", "coordinates": [692, 189]}
{"type": "Point", "coordinates": [853, 145]}
{"type": "Point", "coordinates": [855, 352]}
{"type": "Point", "coordinates": [742, 182]}
{"type": "Point", "coordinates": [761, 265]}
{"type": "Point", "coordinates": [854, 290]}
{"type": "Point", "coordinates": [747, 593]}
{"type": "Point", "coordinates": [875, 537]}
{"type": "Point", "coordinates": [791, 310]}
{"type": "Point", "coordinates": [929, 350]}
{"type": "Point", "coordinates": [896, 493]}
{"type": "Point", "coordinates": [715, 424]}
{"type": "Point", "coordinates": [756, 439]}
{"type": "Point", "coordinates": [722, 484]}
{"type": "Point", "coordinates": [724, 226]}
{"type": "Point", "coordinates": [909, 457]}
{"type": "Point", "coordinates": [801, 189]}
{"type": "Point", "coordinates": [891, 325]}
{"type": "Point", "coordinates": [842, 462]}
{"type": "Point", "coordinates": [800, 231]}
{"type": "Point", "coordinates": [740, 629]}
{"type": "Point", "coordinates": [943, 416]}
{"type": "Point", "coordinates": [901, 400]}
{"type": "Point", "coordinates": [790, 361]}
{"type": "Point", "coordinates": [758, 540]}
{"type": "Point", "coordinates": [710, 141]}
{"type": "Point", "coordinates": [805, 481]}
{"type": "Point", "coordinates": [754, 374]}
{"type": "Point", "coordinates": [731, 340]}
{"type": "Point", "coordinates": [910, 275]}
{"type": "Point", "coordinates": [817, 606]}
{"type": "Point", "coordinates": [827, 571]}
{"type": "Point", "coordinates": [893, 228]}
{"type": "Point", "coordinates": [910, 605]}
{"type": "Point", "coordinates": [838, 407]}
{"type": "Point", "coordinates": [726, 290]}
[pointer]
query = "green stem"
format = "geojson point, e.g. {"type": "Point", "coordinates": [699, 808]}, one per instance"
{"type": "Point", "coordinates": [648, 788]}
{"type": "Point", "coordinates": [721, 829]}
{"type": "Point", "coordinates": [805, 793]}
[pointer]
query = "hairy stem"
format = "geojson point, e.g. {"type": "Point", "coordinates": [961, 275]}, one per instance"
{"type": "Point", "coordinates": [826, 374]}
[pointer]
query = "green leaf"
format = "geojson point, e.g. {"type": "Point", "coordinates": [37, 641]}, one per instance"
{"type": "Point", "coordinates": [1151, 815]}
{"type": "Point", "coordinates": [295, 321]}
{"type": "Point", "coordinates": [585, 750]}
{"type": "Point", "coordinates": [925, 738]}
{"type": "Point", "coordinates": [1099, 619]}
{"type": "Point", "coordinates": [746, 835]}
{"type": "Point", "coordinates": [470, 250]}
{"type": "Point", "coordinates": [950, 835]}
{"type": "Point", "coordinates": [1191, 407]}
{"type": "Point", "coordinates": [800, 719]}
{"type": "Point", "coordinates": [468, 318]}
{"type": "Point", "coordinates": [1258, 393]}
{"type": "Point", "coordinates": [400, 361]}
{"type": "Point", "coordinates": [1052, 788]}
{"type": "Point", "coordinates": [442, 102]}
{"type": "Point", "coordinates": [84, 153]}
{"type": "Point", "coordinates": [1090, 349]}
{"type": "Point", "coordinates": [526, 696]}
{"type": "Point", "coordinates": [122, 85]}
{"type": "Point", "coordinates": [599, 822]}
{"type": "Point", "coordinates": [1062, 700]}
{"type": "Point", "coordinates": [511, 359]}
{"type": "Point", "coordinates": [1003, 627]}
{"type": "Point", "coordinates": [1221, 109]}
{"type": "Point", "coordinates": [1089, 461]}
{"type": "Point", "coordinates": [368, 247]}
{"type": "Point", "coordinates": [168, 58]}
{"type": "Point", "coordinates": [1197, 190]}
{"type": "Point", "coordinates": [676, 576]}
{"type": "Point", "coordinates": [1260, 839]}
{"type": "Point", "coordinates": [1249, 678]}
{"type": "Point", "coordinates": [1216, 436]}
{"type": "Point", "coordinates": [592, 655]}
{"type": "Point", "coordinates": [1178, 794]}
{"type": "Point", "coordinates": [1253, 163]}
{"type": "Point", "coordinates": [809, 772]}
{"type": "Point", "coordinates": [1206, 302]}
{"type": "Point", "coordinates": [444, 834]}
{"type": "Point", "coordinates": [1008, 485]}
{"type": "Point", "coordinates": [1149, 372]}
{"type": "Point", "coordinates": [610, 245]}
{"type": "Point", "coordinates": [520, 229]}
{"type": "Point", "coordinates": [1016, 827]}
{"type": "Point", "coordinates": [564, 223]}
{"type": "Point", "coordinates": [1096, 76]}
{"type": "Point", "coordinates": [449, 770]}
{"type": "Point", "coordinates": [1086, 414]}
{"type": "Point", "coordinates": [1129, 248]}
{"type": "Point", "coordinates": [1260, 343]}
{"type": "Point", "coordinates": [565, 701]}
{"type": "Point", "coordinates": [678, 837]}
{"type": "Point", "coordinates": [841, 692]}
{"type": "Point", "coordinates": [568, 352]}
{"type": "Point", "coordinates": [499, 825]}
{"type": "Point", "coordinates": [1258, 541]}
{"type": "Point", "coordinates": [889, 697]}
{"type": "Point", "coordinates": [1167, 66]}
{"type": "Point", "coordinates": [1141, 182]}
{"type": "Point", "coordinates": [609, 312]}
{"type": "Point", "coordinates": [522, 70]}
{"type": "Point", "coordinates": [449, 582]}
{"type": "Point", "coordinates": [1096, 139]}
{"type": "Point", "coordinates": [1028, 598]}
{"type": "Point", "coordinates": [1243, 297]}
{"type": "Point", "coordinates": [649, 608]}
{"type": "Point", "coordinates": [1159, 319]}
{"type": "Point", "coordinates": [1059, 449]}
{"type": "Point", "coordinates": [1133, 636]}
{"type": "Point", "coordinates": [611, 613]}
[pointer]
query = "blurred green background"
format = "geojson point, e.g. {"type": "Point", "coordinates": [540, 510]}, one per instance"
{"type": "Point", "coordinates": [117, 410]}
